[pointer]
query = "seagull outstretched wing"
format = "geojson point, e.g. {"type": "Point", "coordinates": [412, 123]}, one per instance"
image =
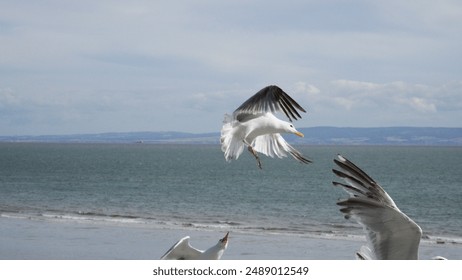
{"type": "Point", "coordinates": [182, 250]}
{"type": "Point", "coordinates": [270, 99]}
{"type": "Point", "coordinates": [389, 232]}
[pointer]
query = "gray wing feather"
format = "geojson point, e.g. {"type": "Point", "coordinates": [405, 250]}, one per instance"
{"type": "Point", "coordinates": [270, 99]}
{"type": "Point", "coordinates": [359, 183]}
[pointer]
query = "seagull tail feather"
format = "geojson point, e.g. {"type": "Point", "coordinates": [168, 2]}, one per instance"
{"type": "Point", "coordinates": [231, 145]}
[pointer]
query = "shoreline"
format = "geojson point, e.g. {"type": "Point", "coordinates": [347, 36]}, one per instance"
{"type": "Point", "coordinates": [27, 239]}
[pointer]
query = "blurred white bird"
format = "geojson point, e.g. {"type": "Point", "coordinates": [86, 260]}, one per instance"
{"type": "Point", "coordinates": [390, 234]}
{"type": "Point", "coordinates": [182, 250]}
{"type": "Point", "coordinates": [253, 125]}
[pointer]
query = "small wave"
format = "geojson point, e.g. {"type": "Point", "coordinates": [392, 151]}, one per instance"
{"type": "Point", "coordinates": [227, 223]}
{"type": "Point", "coordinates": [56, 215]}
{"type": "Point", "coordinates": [441, 240]}
{"type": "Point", "coordinates": [93, 214]}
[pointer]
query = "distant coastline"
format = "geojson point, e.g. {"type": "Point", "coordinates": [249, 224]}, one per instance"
{"type": "Point", "coordinates": [426, 136]}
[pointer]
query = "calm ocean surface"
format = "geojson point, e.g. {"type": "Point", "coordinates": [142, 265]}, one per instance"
{"type": "Point", "coordinates": [191, 186]}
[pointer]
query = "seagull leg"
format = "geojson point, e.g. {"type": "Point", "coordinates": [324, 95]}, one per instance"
{"type": "Point", "coordinates": [252, 151]}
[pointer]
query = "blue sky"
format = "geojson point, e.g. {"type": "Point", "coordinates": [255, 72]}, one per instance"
{"type": "Point", "coordinates": [119, 66]}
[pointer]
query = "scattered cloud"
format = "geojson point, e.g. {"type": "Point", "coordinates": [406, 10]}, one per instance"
{"type": "Point", "coordinates": [91, 66]}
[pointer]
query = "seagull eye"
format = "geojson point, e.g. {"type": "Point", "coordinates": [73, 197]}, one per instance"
{"type": "Point", "coordinates": [291, 125]}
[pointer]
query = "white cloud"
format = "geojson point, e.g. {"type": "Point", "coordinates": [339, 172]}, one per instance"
{"type": "Point", "coordinates": [346, 103]}
{"type": "Point", "coordinates": [356, 86]}
{"type": "Point", "coordinates": [7, 97]}
{"type": "Point", "coordinates": [395, 94]}
{"type": "Point", "coordinates": [307, 88]}
{"type": "Point", "coordinates": [422, 105]}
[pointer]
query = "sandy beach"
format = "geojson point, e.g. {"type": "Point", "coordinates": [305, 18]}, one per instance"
{"type": "Point", "coordinates": [25, 239]}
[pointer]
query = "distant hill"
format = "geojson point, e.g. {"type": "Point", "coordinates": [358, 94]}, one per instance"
{"type": "Point", "coordinates": [381, 136]}
{"type": "Point", "coordinates": [313, 136]}
{"type": "Point", "coordinates": [121, 137]}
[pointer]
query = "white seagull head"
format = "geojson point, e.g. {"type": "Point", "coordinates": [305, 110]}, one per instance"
{"type": "Point", "coordinates": [290, 128]}
{"type": "Point", "coordinates": [216, 252]}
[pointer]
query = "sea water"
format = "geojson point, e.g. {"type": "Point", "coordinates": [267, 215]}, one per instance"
{"type": "Point", "coordinates": [192, 186]}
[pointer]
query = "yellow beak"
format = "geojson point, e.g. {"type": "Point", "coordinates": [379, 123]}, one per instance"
{"type": "Point", "coordinates": [299, 134]}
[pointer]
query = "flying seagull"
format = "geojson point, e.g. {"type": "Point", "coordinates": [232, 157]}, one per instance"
{"type": "Point", "coordinates": [390, 234]}
{"type": "Point", "coordinates": [182, 250]}
{"type": "Point", "coordinates": [253, 125]}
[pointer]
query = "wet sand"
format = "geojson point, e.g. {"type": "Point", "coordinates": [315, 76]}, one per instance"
{"type": "Point", "coordinates": [25, 239]}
